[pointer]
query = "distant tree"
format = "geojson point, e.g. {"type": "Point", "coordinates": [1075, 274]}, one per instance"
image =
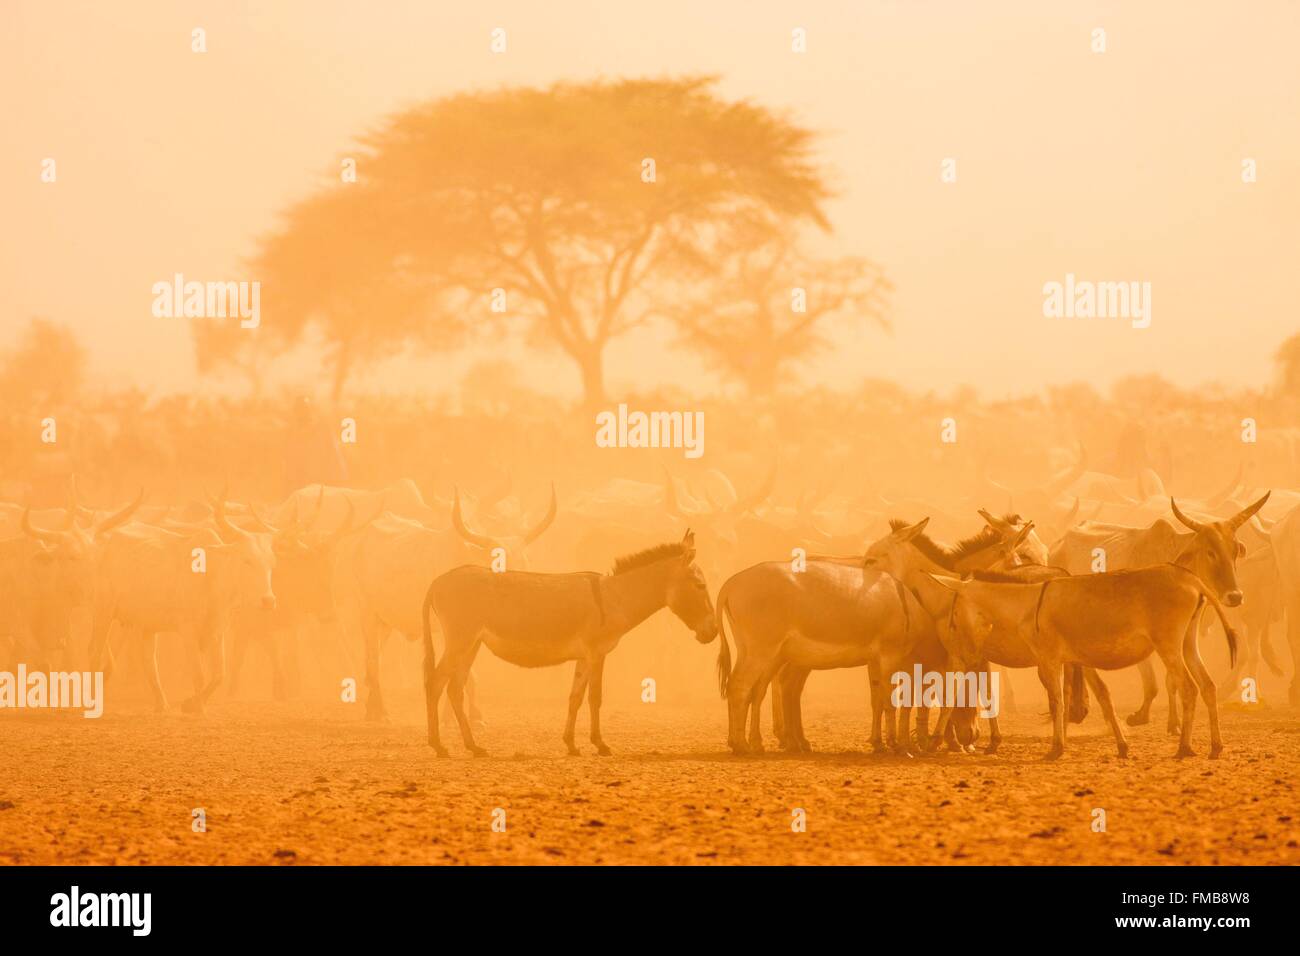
{"type": "Point", "coordinates": [543, 194]}
{"type": "Point", "coordinates": [1287, 358]}
{"type": "Point", "coordinates": [746, 322]}
{"type": "Point", "coordinates": [47, 364]}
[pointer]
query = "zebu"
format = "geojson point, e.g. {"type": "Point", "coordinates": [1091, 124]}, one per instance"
{"type": "Point", "coordinates": [1209, 550]}
{"type": "Point", "coordinates": [541, 620]}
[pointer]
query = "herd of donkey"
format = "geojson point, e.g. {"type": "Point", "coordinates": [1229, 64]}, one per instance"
{"type": "Point", "coordinates": [1045, 590]}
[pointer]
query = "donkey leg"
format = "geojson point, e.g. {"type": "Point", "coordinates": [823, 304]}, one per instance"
{"type": "Point", "coordinates": [1107, 709]}
{"type": "Point", "coordinates": [778, 709]}
{"type": "Point", "coordinates": [1201, 679]}
{"type": "Point", "coordinates": [576, 692]}
{"type": "Point", "coordinates": [459, 666]}
{"type": "Point", "coordinates": [1171, 686]}
{"type": "Point", "coordinates": [1149, 690]}
{"type": "Point", "coordinates": [755, 737]}
{"type": "Point", "coordinates": [595, 682]}
{"type": "Point", "coordinates": [793, 693]}
{"type": "Point", "coordinates": [1050, 675]}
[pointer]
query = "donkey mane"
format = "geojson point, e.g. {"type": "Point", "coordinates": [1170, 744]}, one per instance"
{"type": "Point", "coordinates": [630, 562]}
{"type": "Point", "coordinates": [944, 555]}
{"type": "Point", "coordinates": [999, 577]}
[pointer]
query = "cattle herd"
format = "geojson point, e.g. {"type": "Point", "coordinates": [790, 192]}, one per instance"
{"type": "Point", "coordinates": [1088, 575]}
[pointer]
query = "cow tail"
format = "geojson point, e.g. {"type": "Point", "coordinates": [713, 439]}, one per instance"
{"type": "Point", "coordinates": [1228, 632]}
{"type": "Point", "coordinates": [724, 650]}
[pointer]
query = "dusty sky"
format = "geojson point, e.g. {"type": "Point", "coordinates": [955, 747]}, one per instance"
{"type": "Point", "coordinates": [1119, 166]}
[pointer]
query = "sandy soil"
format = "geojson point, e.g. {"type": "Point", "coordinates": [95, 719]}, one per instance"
{"type": "Point", "coordinates": [311, 783]}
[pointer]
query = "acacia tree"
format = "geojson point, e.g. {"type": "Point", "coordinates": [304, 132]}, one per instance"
{"type": "Point", "coordinates": [543, 194]}
{"type": "Point", "coordinates": [751, 325]}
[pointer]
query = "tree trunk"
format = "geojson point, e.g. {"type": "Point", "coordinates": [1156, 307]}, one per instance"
{"type": "Point", "coordinates": [592, 365]}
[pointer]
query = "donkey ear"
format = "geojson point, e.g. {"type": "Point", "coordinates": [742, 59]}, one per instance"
{"type": "Point", "coordinates": [688, 539]}
{"type": "Point", "coordinates": [907, 534]}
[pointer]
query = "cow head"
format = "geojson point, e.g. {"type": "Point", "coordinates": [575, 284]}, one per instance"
{"type": "Point", "coordinates": [515, 546]}
{"type": "Point", "coordinates": [68, 555]}
{"type": "Point", "coordinates": [1213, 549]}
{"type": "Point", "coordinates": [251, 558]}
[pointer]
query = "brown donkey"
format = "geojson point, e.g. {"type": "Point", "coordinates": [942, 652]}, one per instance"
{"type": "Point", "coordinates": [540, 620]}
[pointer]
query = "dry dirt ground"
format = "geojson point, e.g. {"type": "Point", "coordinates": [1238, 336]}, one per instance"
{"type": "Point", "coordinates": [311, 783]}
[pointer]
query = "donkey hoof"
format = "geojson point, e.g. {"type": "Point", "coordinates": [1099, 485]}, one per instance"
{"type": "Point", "coordinates": [192, 705]}
{"type": "Point", "coordinates": [1053, 754]}
{"type": "Point", "coordinates": [1215, 750]}
{"type": "Point", "coordinates": [1138, 719]}
{"type": "Point", "coordinates": [1184, 752]}
{"type": "Point", "coordinates": [439, 750]}
{"type": "Point", "coordinates": [478, 752]}
{"type": "Point", "coordinates": [602, 750]}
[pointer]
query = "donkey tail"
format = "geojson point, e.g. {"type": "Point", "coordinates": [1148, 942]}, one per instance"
{"type": "Point", "coordinates": [724, 650]}
{"type": "Point", "coordinates": [426, 620]}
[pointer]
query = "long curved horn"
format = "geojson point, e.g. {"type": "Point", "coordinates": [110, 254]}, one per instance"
{"type": "Point", "coordinates": [48, 537]}
{"type": "Point", "coordinates": [545, 523]}
{"type": "Point", "coordinates": [120, 518]}
{"type": "Point", "coordinates": [344, 529]}
{"type": "Point", "coordinates": [458, 522]}
{"type": "Point", "coordinates": [1070, 475]}
{"type": "Point", "coordinates": [227, 530]}
{"type": "Point", "coordinates": [996, 523]}
{"type": "Point", "coordinates": [760, 495]}
{"type": "Point", "coordinates": [1241, 517]}
{"type": "Point", "coordinates": [1215, 500]}
{"type": "Point", "coordinates": [671, 504]}
{"type": "Point", "coordinates": [266, 525]}
{"type": "Point", "coordinates": [1190, 523]}
{"type": "Point", "coordinates": [315, 515]}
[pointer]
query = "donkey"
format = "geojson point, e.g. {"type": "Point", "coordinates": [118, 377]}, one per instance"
{"type": "Point", "coordinates": [541, 620]}
{"type": "Point", "coordinates": [1108, 621]}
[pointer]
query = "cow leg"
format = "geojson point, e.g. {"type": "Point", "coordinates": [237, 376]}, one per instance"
{"type": "Point", "coordinates": [1293, 639]}
{"type": "Point", "coordinates": [238, 647]}
{"type": "Point", "coordinates": [595, 682]}
{"type": "Point", "coordinates": [149, 647]}
{"type": "Point", "coordinates": [1102, 693]}
{"type": "Point", "coordinates": [374, 633]}
{"type": "Point", "coordinates": [576, 692]}
{"type": "Point", "coordinates": [1050, 675]}
{"type": "Point", "coordinates": [1149, 690]}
